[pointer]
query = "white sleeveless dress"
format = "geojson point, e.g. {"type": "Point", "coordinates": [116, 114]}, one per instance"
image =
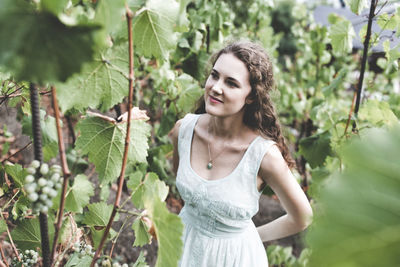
{"type": "Point", "coordinates": [218, 230]}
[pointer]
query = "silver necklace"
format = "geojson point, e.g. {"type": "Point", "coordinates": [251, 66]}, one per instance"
{"type": "Point", "coordinates": [210, 161]}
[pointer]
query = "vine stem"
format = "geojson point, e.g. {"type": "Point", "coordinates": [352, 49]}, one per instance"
{"type": "Point", "coordinates": [363, 64]}
{"type": "Point", "coordinates": [14, 94]}
{"type": "Point", "coordinates": [129, 17]}
{"type": "Point", "coordinates": [65, 170]}
{"type": "Point", "coordinates": [118, 234]}
{"type": "Point", "coordinates": [16, 152]}
{"type": "Point", "coordinates": [37, 148]}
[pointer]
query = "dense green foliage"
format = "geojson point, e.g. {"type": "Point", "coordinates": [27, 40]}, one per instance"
{"type": "Point", "coordinates": [81, 47]}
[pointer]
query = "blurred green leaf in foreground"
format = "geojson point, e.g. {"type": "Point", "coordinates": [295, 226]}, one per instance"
{"type": "Point", "coordinates": [357, 218]}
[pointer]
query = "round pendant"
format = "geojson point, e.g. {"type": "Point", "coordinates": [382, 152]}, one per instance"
{"type": "Point", "coordinates": [209, 165]}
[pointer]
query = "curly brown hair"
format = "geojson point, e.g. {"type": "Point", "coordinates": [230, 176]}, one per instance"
{"type": "Point", "coordinates": [260, 113]}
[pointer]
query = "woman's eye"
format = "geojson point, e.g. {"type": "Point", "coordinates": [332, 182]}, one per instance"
{"type": "Point", "coordinates": [231, 84]}
{"type": "Point", "coordinates": [214, 75]}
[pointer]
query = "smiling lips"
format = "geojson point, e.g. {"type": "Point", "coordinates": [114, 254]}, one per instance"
{"type": "Point", "coordinates": [214, 100]}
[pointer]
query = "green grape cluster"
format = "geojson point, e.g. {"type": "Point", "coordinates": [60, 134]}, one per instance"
{"type": "Point", "coordinates": [41, 191]}
{"type": "Point", "coordinates": [107, 263]}
{"type": "Point", "coordinates": [83, 249]}
{"type": "Point", "coordinates": [116, 264]}
{"type": "Point", "coordinates": [28, 258]}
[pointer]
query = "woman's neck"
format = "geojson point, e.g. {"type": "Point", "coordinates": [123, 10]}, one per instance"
{"type": "Point", "coordinates": [228, 128]}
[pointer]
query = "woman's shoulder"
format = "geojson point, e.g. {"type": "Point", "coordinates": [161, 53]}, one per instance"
{"type": "Point", "coordinates": [174, 133]}
{"type": "Point", "coordinates": [273, 160]}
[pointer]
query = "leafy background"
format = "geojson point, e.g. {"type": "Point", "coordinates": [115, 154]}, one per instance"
{"type": "Point", "coordinates": [80, 47]}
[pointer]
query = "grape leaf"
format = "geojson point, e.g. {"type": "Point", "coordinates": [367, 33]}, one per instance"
{"type": "Point", "coordinates": [356, 6]}
{"type": "Point", "coordinates": [341, 35]}
{"type": "Point", "coordinates": [328, 90]}
{"type": "Point", "coordinates": [142, 237]}
{"type": "Point", "coordinates": [37, 47]}
{"type": "Point", "coordinates": [140, 261]}
{"type": "Point", "coordinates": [388, 22]}
{"type": "Point", "coordinates": [110, 14]}
{"type": "Point", "coordinates": [151, 186]}
{"type": "Point", "coordinates": [150, 194]}
{"type": "Point", "coordinates": [21, 205]}
{"type": "Point", "coordinates": [26, 234]}
{"type": "Point", "coordinates": [357, 221]}
{"type": "Point", "coordinates": [316, 148]}
{"type": "Point", "coordinates": [98, 215]}
{"type": "Point", "coordinates": [49, 134]}
{"type": "Point", "coordinates": [54, 6]}
{"type": "Point", "coordinates": [393, 54]}
{"type": "Point", "coordinates": [17, 173]}
{"type": "Point", "coordinates": [182, 20]}
{"type": "Point", "coordinates": [167, 120]}
{"type": "Point", "coordinates": [101, 84]}
{"type": "Point", "coordinates": [104, 143]}
{"type": "Point", "coordinates": [153, 28]}
{"type": "Point", "coordinates": [77, 196]}
{"type": "Point", "coordinates": [189, 92]}
{"type": "Point", "coordinates": [168, 228]}
{"type": "Point", "coordinates": [377, 113]}
{"type": "Point", "coordinates": [98, 234]}
{"type": "Point", "coordinates": [77, 260]}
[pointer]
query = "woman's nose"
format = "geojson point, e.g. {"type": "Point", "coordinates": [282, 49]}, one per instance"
{"type": "Point", "coordinates": [216, 89]}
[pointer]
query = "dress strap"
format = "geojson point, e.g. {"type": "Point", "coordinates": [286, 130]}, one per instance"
{"type": "Point", "coordinates": [186, 132]}
{"type": "Point", "coordinates": [258, 154]}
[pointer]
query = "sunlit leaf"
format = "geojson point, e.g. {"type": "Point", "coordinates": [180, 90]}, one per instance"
{"type": "Point", "coordinates": [17, 173]}
{"type": "Point", "coordinates": [142, 237]}
{"type": "Point", "coordinates": [377, 113]}
{"type": "Point", "coordinates": [78, 195]}
{"type": "Point", "coordinates": [149, 187]}
{"type": "Point", "coordinates": [357, 5]}
{"type": "Point", "coordinates": [357, 219]}
{"type": "Point", "coordinates": [154, 28]}
{"type": "Point", "coordinates": [387, 22]}
{"type": "Point", "coordinates": [98, 215]}
{"type": "Point", "coordinates": [110, 13]}
{"type": "Point", "coordinates": [101, 84]}
{"type": "Point", "coordinates": [104, 142]}
{"type": "Point", "coordinates": [392, 54]}
{"type": "Point", "coordinates": [341, 35]}
{"type": "Point", "coordinates": [168, 228]}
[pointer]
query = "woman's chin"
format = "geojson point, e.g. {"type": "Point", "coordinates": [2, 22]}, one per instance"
{"type": "Point", "coordinates": [212, 110]}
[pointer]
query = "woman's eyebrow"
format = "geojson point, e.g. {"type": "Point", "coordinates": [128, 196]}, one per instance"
{"type": "Point", "coordinates": [229, 78]}
{"type": "Point", "coordinates": [233, 80]}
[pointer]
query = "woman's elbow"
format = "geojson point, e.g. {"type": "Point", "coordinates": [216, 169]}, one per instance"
{"type": "Point", "coordinates": [306, 218]}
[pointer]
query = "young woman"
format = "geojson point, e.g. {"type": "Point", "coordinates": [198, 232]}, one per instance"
{"type": "Point", "coordinates": [225, 155]}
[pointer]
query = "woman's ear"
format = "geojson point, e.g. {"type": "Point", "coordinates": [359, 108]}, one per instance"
{"type": "Point", "coordinates": [248, 101]}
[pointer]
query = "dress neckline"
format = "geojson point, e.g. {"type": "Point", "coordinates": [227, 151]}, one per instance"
{"type": "Point", "coordinates": [222, 178]}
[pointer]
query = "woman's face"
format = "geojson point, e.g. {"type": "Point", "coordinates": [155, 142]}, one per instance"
{"type": "Point", "coordinates": [227, 87]}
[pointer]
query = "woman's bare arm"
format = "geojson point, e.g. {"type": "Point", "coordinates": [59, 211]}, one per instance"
{"type": "Point", "coordinates": [275, 172]}
{"type": "Point", "coordinates": [173, 135]}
